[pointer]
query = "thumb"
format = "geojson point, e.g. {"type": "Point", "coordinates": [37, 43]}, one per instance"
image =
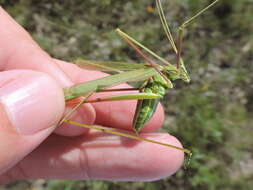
{"type": "Point", "coordinates": [31, 104]}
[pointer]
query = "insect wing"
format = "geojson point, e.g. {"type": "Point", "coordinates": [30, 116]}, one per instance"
{"type": "Point", "coordinates": [108, 66]}
{"type": "Point", "coordinates": [109, 81]}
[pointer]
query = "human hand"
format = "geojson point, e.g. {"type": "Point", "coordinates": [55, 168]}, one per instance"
{"type": "Point", "coordinates": [32, 103]}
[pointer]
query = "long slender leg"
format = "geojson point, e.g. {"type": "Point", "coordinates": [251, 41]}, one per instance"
{"type": "Point", "coordinates": [126, 39]}
{"type": "Point", "coordinates": [135, 96]}
{"type": "Point", "coordinates": [117, 89]}
{"type": "Point", "coordinates": [124, 35]}
{"type": "Point", "coordinates": [132, 96]}
{"type": "Point", "coordinates": [139, 138]}
{"type": "Point", "coordinates": [70, 113]}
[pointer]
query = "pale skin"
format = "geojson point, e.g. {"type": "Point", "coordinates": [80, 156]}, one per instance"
{"type": "Point", "coordinates": [31, 105]}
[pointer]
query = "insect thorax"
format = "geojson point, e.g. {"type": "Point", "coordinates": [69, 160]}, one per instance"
{"type": "Point", "coordinates": [174, 74]}
{"type": "Point", "coordinates": [157, 85]}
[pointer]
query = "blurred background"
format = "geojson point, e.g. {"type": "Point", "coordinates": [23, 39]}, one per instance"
{"type": "Point", "coordinates": [212, 116]}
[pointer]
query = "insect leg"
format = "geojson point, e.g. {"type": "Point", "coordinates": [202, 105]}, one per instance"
{"type": "Point", "coordinates": [129, 41]}
{"type": "Point", "coordinates": [139, 138]}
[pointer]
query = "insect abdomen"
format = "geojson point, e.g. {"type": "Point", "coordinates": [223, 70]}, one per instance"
{"type": "Point", "coordinates": [146, 111]}
{"type": "Point", "coordinates": [146, 108]}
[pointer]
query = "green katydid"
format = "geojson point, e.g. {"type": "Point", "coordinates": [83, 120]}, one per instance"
{"type": "Point", "coordinates": [157, 78]}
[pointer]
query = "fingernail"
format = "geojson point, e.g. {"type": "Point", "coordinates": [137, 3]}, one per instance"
{"type": "Point", "coordinates": [32, 100]}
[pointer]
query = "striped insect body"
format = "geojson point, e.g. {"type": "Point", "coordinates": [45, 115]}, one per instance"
{"type": "Point", "coordinates": [158, 76]}
{"type": "Point", "coordinates": [146, 108]}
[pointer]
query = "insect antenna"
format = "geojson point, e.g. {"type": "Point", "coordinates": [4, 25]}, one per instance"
{"type": "Point", "coordinates": [187, 22]}
{"type": "Point", "coordinates": [178, 46]}
{"type": "Point", "coordinates": [184, 25]}
{"type": "Point", "coordinates": [165, 25]}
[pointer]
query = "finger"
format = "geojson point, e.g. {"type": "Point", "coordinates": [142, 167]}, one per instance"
{"type": "Point", "coordinates": [31, 104]}
{"type": "Point", "coordinates": [114, 114]}
{"type": "Point", "coordinates": [101, 156]}
{"type": "Point", "coordinates": [19, 51]}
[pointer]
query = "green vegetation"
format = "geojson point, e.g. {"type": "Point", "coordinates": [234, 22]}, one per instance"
{"type": "Point", "coordinates": [212, 116]}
